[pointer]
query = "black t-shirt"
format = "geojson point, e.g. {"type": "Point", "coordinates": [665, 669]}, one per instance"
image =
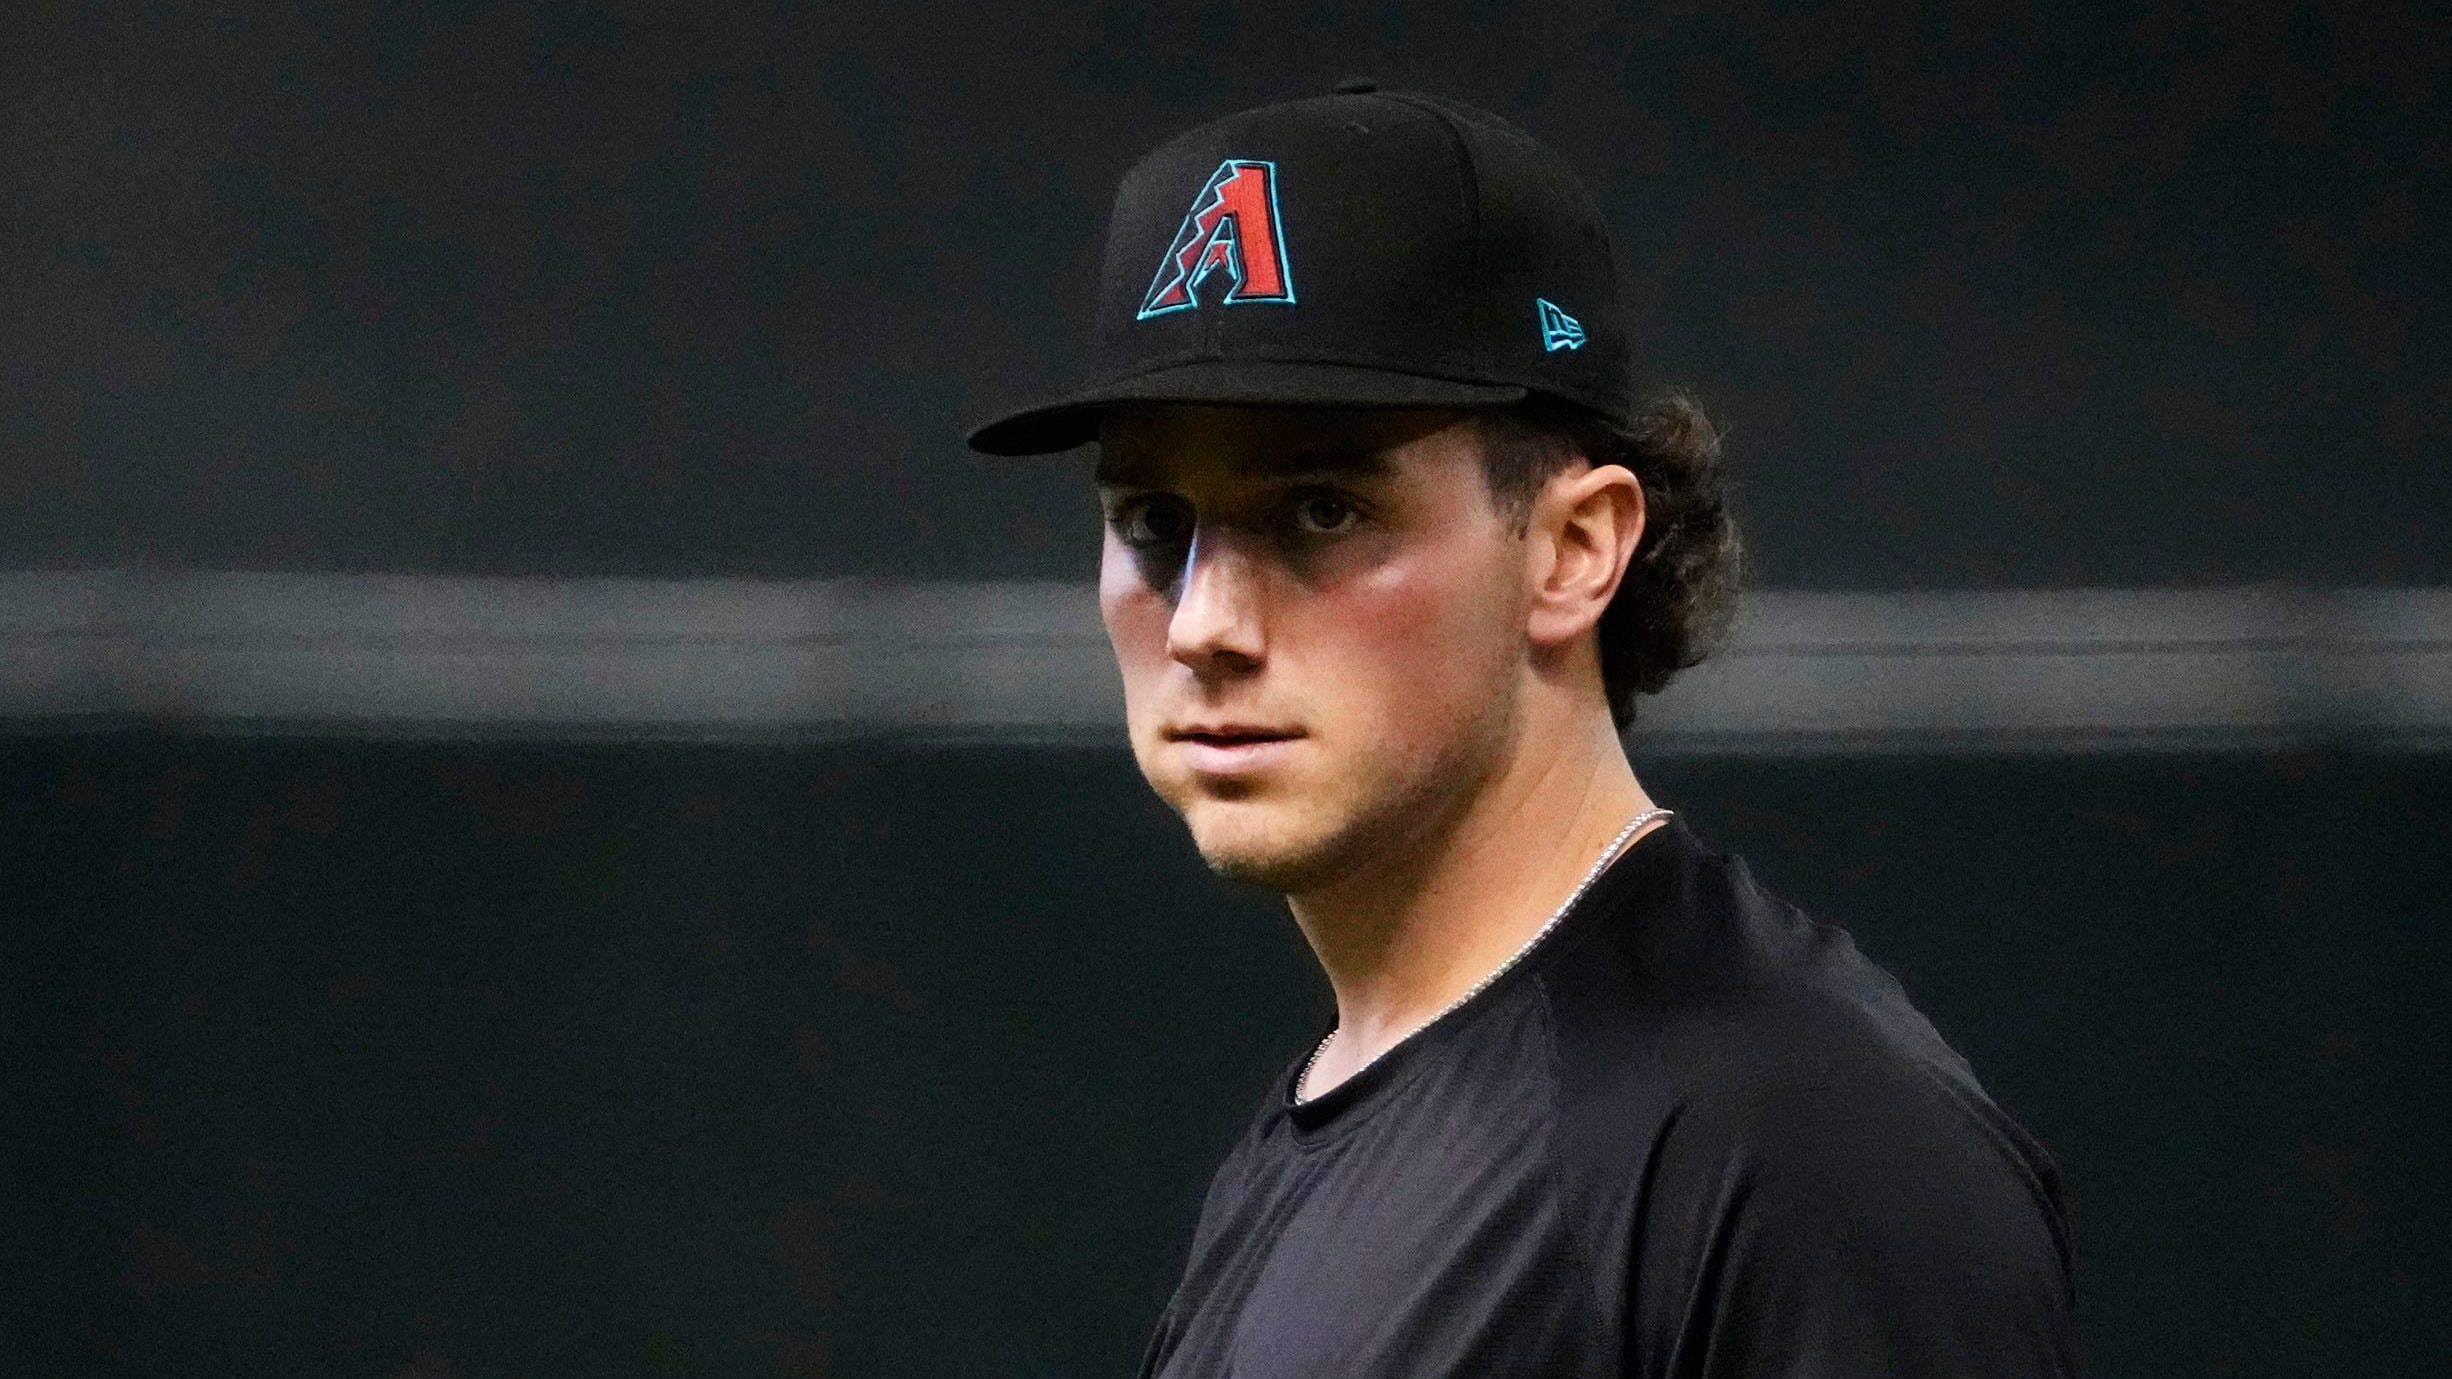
{"type": "Point", "coordinates": [1694, 1132]}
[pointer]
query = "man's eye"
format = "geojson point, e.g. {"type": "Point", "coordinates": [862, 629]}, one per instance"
{"type": "Point", "coordinates": [1324, 513]}
{"type": "Point", "coordinates": [1150, 522]}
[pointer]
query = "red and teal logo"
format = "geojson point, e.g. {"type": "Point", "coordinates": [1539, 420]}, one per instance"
{"type": "Point", "coordinates": [1233, 225]}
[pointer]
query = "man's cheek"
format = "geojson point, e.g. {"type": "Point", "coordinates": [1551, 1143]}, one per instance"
{"type": "Point", "coordinates": [1409, 599]}
{"type": "Point", "coordinates": [1136, 629]}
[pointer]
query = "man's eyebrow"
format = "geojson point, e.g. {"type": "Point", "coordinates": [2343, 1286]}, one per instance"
{"type": "Point", "coordinates": [1352, 462]}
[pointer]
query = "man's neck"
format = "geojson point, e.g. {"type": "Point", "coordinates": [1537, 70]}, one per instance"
{"type": "Point", "coordinates": [1401, 939]}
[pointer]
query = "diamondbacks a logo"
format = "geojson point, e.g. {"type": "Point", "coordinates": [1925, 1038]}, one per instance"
{"type": "Point", "coordinates": [1559, 331]}
{"type": "Point", "coordinates": [1232, 225]}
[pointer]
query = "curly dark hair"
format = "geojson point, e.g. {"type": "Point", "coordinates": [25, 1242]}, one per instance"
{"type": "Point", "coordinates": [1679, 596]}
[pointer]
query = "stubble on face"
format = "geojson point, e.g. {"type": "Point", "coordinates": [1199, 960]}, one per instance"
{"type": "Point", "coordinates": [1386, 806]}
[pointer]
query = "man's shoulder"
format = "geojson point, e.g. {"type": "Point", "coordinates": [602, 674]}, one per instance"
{"type": "Point", "coordinates": [1783, 1075]}
{"type": "Point", "coordinates": [1708, 977]}
{"type": "Point", "coordinates": [1722, 1052]}
{"type": "Point", "coordinates": [1713, 1011]}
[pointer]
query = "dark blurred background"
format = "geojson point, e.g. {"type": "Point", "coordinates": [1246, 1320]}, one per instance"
{"type": "Point", "coordinates": [2070, 296]}
{"type": "Point", "coordinates": [433, 949]}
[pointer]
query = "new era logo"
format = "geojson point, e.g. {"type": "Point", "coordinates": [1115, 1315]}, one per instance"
{"type": "Point", "coordinates": [1559, 331]}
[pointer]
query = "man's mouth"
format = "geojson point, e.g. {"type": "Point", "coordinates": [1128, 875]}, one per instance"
{"type": "Point", "coordinates": [1225, 730]}
{"type": "Point", "coordinates": [1231, 749]}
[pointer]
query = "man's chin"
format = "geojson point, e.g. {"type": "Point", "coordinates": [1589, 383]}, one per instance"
{"type": "Point", "coordinates": [1282, 874]}
{"type": "Point", "coordinates": [1268, 858]}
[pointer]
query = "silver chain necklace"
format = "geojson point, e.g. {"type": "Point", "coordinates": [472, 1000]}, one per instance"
{"type": "Point", "coordinates": [1607, 854]}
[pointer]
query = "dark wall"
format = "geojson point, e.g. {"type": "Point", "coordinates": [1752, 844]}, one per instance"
{"type": "Point", "coordinates": [2074, 296]}
{"type": "Point", "coordinates": [447, 1060]}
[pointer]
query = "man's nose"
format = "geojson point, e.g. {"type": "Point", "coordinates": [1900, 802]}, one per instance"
{"type": "Point", "coordinates": [1217, 614]}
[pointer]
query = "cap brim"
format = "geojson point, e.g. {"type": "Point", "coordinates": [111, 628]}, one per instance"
{"type": "Point", "coordinates": [1071, 421]}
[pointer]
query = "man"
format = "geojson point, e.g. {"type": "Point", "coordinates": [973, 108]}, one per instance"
{"type": "Point", "coordinates": [1391, 550]}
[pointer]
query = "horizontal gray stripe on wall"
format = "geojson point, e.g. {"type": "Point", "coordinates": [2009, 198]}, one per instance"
{"type": "Point", "coordinates": [2238, 668]}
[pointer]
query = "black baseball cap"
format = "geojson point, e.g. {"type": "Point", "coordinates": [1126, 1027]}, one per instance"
{"type": "Point", "coordinates": [1364, 249]}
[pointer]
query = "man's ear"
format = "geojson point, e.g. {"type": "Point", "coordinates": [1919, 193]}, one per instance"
{"type": "Point", "coordinates": [1585, 526]}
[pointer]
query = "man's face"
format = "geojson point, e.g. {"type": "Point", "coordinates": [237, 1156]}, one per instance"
{"type": "Point", "coordinates": [1319, 616]}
